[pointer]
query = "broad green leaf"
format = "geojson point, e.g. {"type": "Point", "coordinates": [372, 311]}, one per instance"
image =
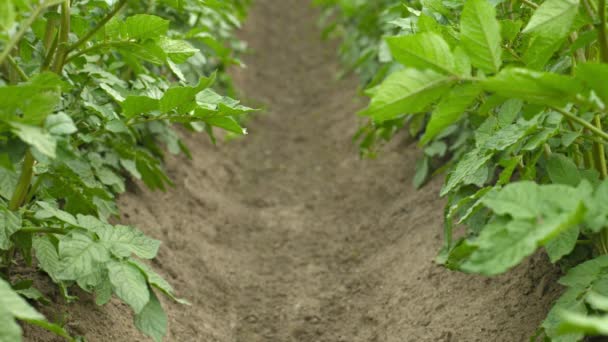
{"type": "Point", "coordinates": [480, 35]}
{"type": "Point", "coordinates": [563, 244]}
{"type": "Point", "coordinates": [145, 26]}
{"type": "Point", "coordinates": [15, 305]}
{"type": "Point", "coordinates": [177, 50]}
{"type": "Point", "coordinates": [548, 29]}
{"type": "Point", "coordinates": [581, 280]}
{"type": "Point", "coordinates": [10, 331]}
{"type": "Point", "coordinates": [154, 279]}
{"type": "Point", "coordinates": [36, 137]}
{"type": "Point", "coordinates": [10, 222]}
{"type": "Point", "coordinates": [425, 50]}
{"type": "Point", "coordinates": [136, 105]}
{"type": "Point", "coordinates": [48, 211]}
{"type": "Point", "coordinates": [407, 91]}
{"type": "Point", "coordinates": [60, 124]}
{"type": "Point", "coordinates": [450, 109]}
{"type": "Point", "coordinates": [124, 240]}
{"type": "Point", "coordinates": [7, 15]}
{"type": "Point", "coordinates": [129, 285]}
{"type": "Point", "coordinates": [552, 13]}
{"type": "Point", "coordinates": [80, 258]}
{"type": "Point", "coordinates": [227, 123]}
{"type": "Point", "coordinates": [43, 93]}
{"type": "Point", "coordinates": [152, 319]}
{"type": "Point", "coordinates": [504, 245]}
{"type": "Point", "coordinates": [422, 172]}
{"type": "Point", "coordinates": [562, 170]}
{"type": "Point", "coordinates": [542, 88]}
{"type": "Point", "coordinates": [577, 323]}
{"type": "Point", "coordinates": [593, 75]}
{"type": "Point", "coordinates": [46, 255]}
{"type": "Point", "coordinates": [469, 164]}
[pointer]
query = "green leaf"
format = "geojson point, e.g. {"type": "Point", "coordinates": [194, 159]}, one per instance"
{"type": "Point", "coordinates": [36, 137]}
{"type": "Point", "coordinates": [60, 124]}
{"type": "Point", "coordinates": [145, 26]}
{"type": "Point", "coordinates": [480, 35]}
{"type": "Point", "coordinates": [406, 92]}
{"type": "Point", "coordinates": [15, 305]}
{"type": "Point", "coordinates": [450, 109]}
{"type": "Point", "coordinates": [563, 244]}
{"type": "Point", "coordinates": [425, 50]}
{"type": "Point", "coordinates": [469, 164]}
{"type": "Point", "coordinates": [552, 13]}
{"type": "Point", "coordinates": [227, 123]}
{"type": "Point", "coordinates": [154, 279]}
{"type": "Point", "coordinates": [593, 75]}
{"type": "Point", "coordinates": [7, 15]}
{"type": "Point", "coordinates": [10, 222]}
{"type": "Point", "coordinates": [422, 172]}
{"type": "Point", "coordinates": [80, 258]}
{"type": "Point", "coordinates": [177, 50]}
{"type": "Point", "coordinates": [124, 240]}
{"type": "Point", "coordinates": [129, 284]}
{"type": "Point", "coordinates": [152, 319]}
{"type": "Point", "coordinates": [47, 256]}
{"type": "Point", "coordinates": [548, 29]}
{"type": "Point", "coordinates": [562, 170]}
{"type": "Point", "coordinates": [43, 93]}
{"type": "Point", "coordinates": [542, 88]}
{"type": "Point", "coordinates": [504, 245]}
{"type": "Point", "coordinates": [136, 105]}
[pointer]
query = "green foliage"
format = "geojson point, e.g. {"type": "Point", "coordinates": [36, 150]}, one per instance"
{"type": "Point", "coordinates": [89, 94]}
{"type": "Point", "coordinates": [509, 97]}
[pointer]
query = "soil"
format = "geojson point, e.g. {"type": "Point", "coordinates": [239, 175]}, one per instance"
{"type": "Point", "coordinates": [287, 235]}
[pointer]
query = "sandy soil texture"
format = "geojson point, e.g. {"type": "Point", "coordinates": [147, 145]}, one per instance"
{"type": "Point", "coordinates": [288, 236]}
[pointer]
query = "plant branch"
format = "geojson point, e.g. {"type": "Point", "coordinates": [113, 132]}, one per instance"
{"type": "Point", "coordinates": [529, 4]}
{"type": "Point", "coordinates": [17, 68]}
{"type": "Point", "coordinates": [601, 31]}
{"type": "Point", "coordinates": [64, 34]}
{"type": "Point", "coordinates": [17, 37]}
{"type": "Point", "coordinates": [45, 230]}
{"type": "Point", "coordinates": [600, 133]}
{"type": "Point", "coordinates": [27, 171]}
{"type": "Point", "coordinates": [97, 27]}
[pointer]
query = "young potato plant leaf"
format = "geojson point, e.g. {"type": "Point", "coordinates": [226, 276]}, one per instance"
{"type": "Point", "coordinates": [152, 319]}
{"type": "Point", "coordinates": [480, 35]}
{"type": "Point", "coordinates": [425, 50]}
{"type": "Point", "coordinates": [592, 75]}
{"type": "Point", "coordinates": [145, 26]}
{"type": "Point", "coordinates": [541, 88]}
{"type": "Point", "coordinates": [406, 92]}
{"type": "Point", "coordinates": [129, 284]}
{"type": "Point", "coordinates": [450, 109]}
{"type": "Point", "coordinates": [10, 223]}
{"type": "Point", "coordinates": [548, 29]}
{"type": "Point", "coordinates": [13, 306]}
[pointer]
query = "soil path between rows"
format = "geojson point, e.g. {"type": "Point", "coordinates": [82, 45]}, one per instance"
{"type": "Point", "coordinates": [287, 235]}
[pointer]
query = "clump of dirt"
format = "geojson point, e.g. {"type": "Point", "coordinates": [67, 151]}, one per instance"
{"type": "Point", "coordinates": [287, 235]}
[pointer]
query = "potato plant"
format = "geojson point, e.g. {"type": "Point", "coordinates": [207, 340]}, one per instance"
{"type": "Point", "coordinates": [512, 96]}
{"type": "Point", "coordinates": [90, 91]}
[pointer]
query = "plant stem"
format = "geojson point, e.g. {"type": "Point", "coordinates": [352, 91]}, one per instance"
{"type": "Point", "coordinates": [27, 171]}
{"type": "Point", "coordinates": [529, 4]}
{"type": "Point", "coordinates": [97, 27]}
{"type": "Point", "coordinates": [16, 67]}
{"type": "Point", "coordinates": [601, 31]}
{"type": "Point", "coordinates": [17, 37]}
{"type": "Point", "coordinates": [598, 132]}
{"type": "Point", "coordinates": [599, 151]}
{"type": "Point", "coordinates": [47, 230]}
{"type": "Point", "coordinates": [64, 33]}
